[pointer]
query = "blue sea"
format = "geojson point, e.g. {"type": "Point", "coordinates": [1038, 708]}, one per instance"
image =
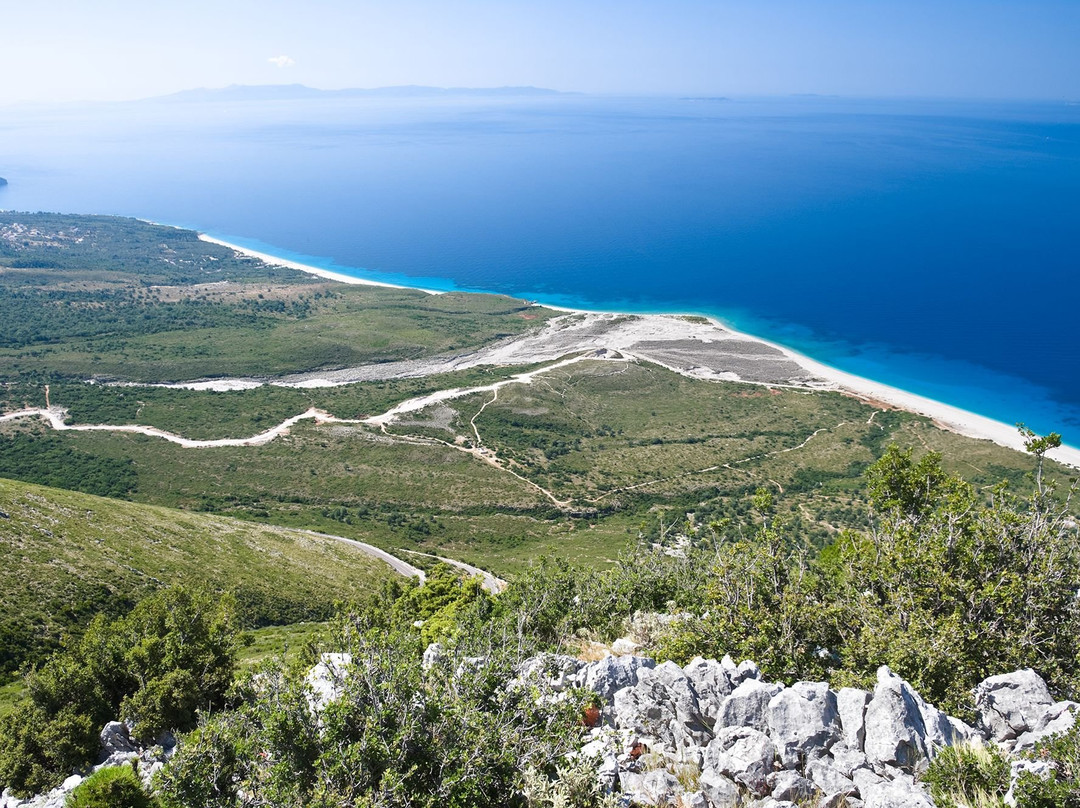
{"type": "Point", "coordinates": [930, 245]}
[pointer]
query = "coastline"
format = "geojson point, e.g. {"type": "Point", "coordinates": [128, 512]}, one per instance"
{"type": "Point", "coordinates": [824, 377]}
{"type": "Point", "coordinates": [311, 270]}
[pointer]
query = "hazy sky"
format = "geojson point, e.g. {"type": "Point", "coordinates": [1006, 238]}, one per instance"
{"type": "Point", "coordinates": [121, 49]}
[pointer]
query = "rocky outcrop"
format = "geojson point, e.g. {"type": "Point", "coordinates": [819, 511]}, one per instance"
{"type": "Point", "coordinates": [1012, 704]}
{"type": "Point", "coordinates": [802, 720]}
{"type": "Point", "coordinates": [902, 730]}
{"type": "Point", "coordinates": [715, 734]}
{"type": "Point", "coordinates": [118, 748]}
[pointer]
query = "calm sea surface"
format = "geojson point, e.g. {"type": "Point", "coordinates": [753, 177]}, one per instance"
{"type": "Point", "coordinates": [934, 246]}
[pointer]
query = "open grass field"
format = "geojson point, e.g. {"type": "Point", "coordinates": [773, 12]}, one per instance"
{"type": "Point", "coordinates": [632, 450]}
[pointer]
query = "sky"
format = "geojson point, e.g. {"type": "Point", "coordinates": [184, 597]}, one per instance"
{"type": "Point", "coordinates": [109, 50]}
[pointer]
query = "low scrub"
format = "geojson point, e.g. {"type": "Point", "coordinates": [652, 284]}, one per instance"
{"type": "Point", "coordinates": [114, 787]}
{"type": "Point", "coordinates": [173, 655]}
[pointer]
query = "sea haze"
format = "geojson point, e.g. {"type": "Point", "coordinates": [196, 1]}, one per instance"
{"type": "Point", "coordinates": [929, 245]}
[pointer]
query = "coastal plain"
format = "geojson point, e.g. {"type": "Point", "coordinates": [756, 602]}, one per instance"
{"type": "Point", "coordinates": [186, 375]}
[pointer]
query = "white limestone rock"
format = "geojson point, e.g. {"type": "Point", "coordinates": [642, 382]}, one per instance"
{"type": "Point", "coordinates": [748, 705]}
{"type": "Point", "coordinates": [851, 703]}
{"type": "Point", "coordinates": [803, 722]}
{"type": "Point", "coordinates": [744, 755]}
{"type": "Point", "coordinates": [1011, 704]}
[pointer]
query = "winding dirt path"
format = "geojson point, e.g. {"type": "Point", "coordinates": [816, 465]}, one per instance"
{"type": "Point", "coordinates": [491, 583]}
{"type": "Point", "coordinates": [395, 563]}
{"type": "Point", "coordinates": [55, 417]}
{"type": "Point", "coordinates": [729, 465]}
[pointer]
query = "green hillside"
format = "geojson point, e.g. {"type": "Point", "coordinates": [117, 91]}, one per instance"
{"type": "Point", "coordinates": [68, 556]}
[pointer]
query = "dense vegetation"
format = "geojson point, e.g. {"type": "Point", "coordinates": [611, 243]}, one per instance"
{"type": "Point", "coordinates": [454, 733]}
{"type": "Point", "coordinates": [111, 787]}
{"type": "Point", "coordinates": [171, 656]}
{"type": "Point", "coordinates": [49, 460]}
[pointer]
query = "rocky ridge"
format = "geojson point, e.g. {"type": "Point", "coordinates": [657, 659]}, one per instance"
{"type": "Point", "coordinates": [715, 734]}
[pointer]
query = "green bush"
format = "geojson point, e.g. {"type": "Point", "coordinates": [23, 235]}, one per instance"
{"type": "Point", "coordinates": [174, 654]}
{"type": "Point", "coordinates": [455, 734]}
{"type": "Point", "coordinates": [968, 775]}
{"type": "Point", "coordinates": [951, 587]}
{"type": "Point", "coordinates": [113, 787]}
{"type": "Point", "coordinates": [574, 784]}
{"type": "Point", "coordinates": [39, 748]}
{"type": "Point", "coordinates": [1062, 788]}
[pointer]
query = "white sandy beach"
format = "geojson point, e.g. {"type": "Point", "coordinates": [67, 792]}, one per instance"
{"type": "Point", "coordinates": [694, 346]}
{"type": "Point", "coordinates": [322, 273]}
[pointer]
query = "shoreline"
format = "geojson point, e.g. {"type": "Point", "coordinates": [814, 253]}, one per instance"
{"type": "Point", "coordinates": [946, 416]}
{"type": "Point", "coordinates": [330, 275]}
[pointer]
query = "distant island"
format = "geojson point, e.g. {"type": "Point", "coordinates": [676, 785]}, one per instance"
{"type": "Point", "coordinates": [289, 92]}
{"type": "Point", "coordinates": [3, 182]}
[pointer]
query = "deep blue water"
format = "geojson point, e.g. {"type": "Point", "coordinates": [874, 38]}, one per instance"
{"type": "Point", "coordinates": [934, 246]}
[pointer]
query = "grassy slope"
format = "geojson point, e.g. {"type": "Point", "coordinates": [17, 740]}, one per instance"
{"type": "Point", "coordinates": [68, 556]}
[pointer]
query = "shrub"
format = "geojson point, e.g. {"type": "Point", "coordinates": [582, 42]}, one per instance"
{"type": "Point", "coordinates": [454, 734]}
{"type": "Point", "coordinates": [39, 748]}
{"type": "Point", "coordinates": [1062, 788]}
{"type": "Point", "coordinates": [574, 784]}
{"type": "Point", "coordinates": [950, 588]}
{"type": "Point", "coordinates": [112, 787]}
{"type": "Point", "coordinates": [172, 655]}
{"type": "Point", "coordinates": [968, 775]}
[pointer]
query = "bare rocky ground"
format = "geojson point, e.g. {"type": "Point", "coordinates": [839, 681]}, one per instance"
{"type": "Point", "coordinates": [692, 346]}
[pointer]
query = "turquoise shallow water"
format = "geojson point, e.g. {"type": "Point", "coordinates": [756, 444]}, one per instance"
{"type": "Point", "coordinates": [928, 245]}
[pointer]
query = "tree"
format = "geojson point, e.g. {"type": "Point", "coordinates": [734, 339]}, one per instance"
{"type": "Point", "coordinates": [949, 588]}
{"type": "Point", "coordinates": [897, 483]}
{"type": "Point", "coordinates": [1039, 446]}
{"type": "Point", "coordinates": [174, 654]}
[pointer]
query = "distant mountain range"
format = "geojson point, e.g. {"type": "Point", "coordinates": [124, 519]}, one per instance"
{"type": "Point", "coordinates": [289, 92]}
